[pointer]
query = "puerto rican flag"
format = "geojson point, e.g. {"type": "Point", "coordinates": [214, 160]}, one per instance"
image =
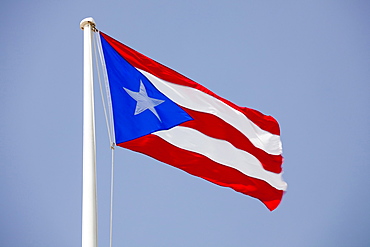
{"type": "Point", "coordinates": [163, 114]}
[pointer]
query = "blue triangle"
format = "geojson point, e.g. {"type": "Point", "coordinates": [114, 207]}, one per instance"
{"type": "Point", "coordinates": [127, 125]}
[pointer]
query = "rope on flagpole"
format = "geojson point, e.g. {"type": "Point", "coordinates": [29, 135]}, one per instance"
{"type": "Point", "coordinates": [107, 115]}
{"type": "Point", "coordinates": [107, 90]}
{"type": "Point", "coordinates": [109, 121]}
{"type": "Point", "coordinates": [111, 200]}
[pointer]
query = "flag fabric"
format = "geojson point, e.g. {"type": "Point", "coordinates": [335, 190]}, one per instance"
{"type": "Point", "coordinates": [165, 115]}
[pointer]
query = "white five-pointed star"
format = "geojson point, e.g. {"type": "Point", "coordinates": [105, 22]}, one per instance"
{"type": "Point", "coordinates": [143, 101]}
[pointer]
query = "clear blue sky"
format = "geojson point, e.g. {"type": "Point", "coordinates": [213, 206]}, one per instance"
{"type": "Point", "coordinates": [304, 62]}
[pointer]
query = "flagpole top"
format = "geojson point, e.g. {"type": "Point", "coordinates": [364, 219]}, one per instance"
{"type": "Point", "coordinates": [86, 21]}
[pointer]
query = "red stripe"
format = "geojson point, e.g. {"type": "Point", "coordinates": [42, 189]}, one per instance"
{"type": "Point", "coordinates": [201, 166]}
{"type": "Point", "coordinates": [215, 127]}
{"type": "Point", "coordinates": [142, 62]}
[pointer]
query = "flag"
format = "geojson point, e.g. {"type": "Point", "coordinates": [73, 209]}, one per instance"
{"type": "Point", "coordinates": [165, 115]}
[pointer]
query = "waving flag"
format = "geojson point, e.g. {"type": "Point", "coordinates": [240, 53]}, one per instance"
{"type": "Point", "coordinates": [163, 114]}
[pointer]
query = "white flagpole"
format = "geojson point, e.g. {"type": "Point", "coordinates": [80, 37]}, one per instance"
{"type": "Point", "coordinates": [89, 201]}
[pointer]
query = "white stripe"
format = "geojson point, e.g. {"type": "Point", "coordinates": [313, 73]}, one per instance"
{"type": "Point", "coordinates": [221, 152]}
{"type": "Point", "coordinates": [194, 99]}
